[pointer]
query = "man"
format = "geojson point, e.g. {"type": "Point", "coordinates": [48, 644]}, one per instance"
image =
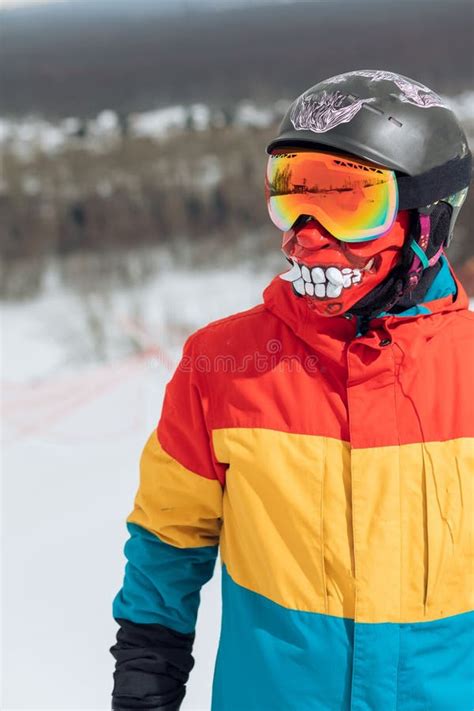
{"type": "Point", "coordinates": [333, 462]}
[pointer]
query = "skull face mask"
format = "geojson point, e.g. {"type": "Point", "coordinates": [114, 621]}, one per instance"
{"type": "Point", "coordinates": [342, 229]}
{"type": "Point", "coordinates": [333, 274]}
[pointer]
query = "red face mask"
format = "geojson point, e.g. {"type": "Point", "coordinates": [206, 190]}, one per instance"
{"type": "Point", "coordinates": [334, 275]}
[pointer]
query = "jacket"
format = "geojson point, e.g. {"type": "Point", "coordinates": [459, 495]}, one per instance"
{"type": "Point", "coordinates": [333, 471]}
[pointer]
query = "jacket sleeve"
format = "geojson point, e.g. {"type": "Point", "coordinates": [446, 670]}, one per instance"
{"type": "Point", "coordinates": [171, 551]}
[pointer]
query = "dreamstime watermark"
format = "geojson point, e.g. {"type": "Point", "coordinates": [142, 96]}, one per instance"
{"type": "Point", "coordinates": [253, 361]}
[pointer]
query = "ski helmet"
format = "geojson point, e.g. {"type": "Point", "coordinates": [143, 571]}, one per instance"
{"type": "Point", "coordinates": [393, 121]}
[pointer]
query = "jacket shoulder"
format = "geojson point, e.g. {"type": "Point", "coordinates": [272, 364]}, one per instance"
{"type": "Point", "coordinates": [225, 330]}
{"type": "Point", "coordinates": [467, 314]}
{"type": "Point", "coordinates": [464, 321]}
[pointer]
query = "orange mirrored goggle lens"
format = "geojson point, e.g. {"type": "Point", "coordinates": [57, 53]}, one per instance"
{"type": "Point", "coordinates": [353, 199]}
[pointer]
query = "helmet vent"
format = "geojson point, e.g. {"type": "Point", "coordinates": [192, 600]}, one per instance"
{"type": "Point", "coordinates": [395, 121]}
{"type": "Point", "coordinates": [374, 109]}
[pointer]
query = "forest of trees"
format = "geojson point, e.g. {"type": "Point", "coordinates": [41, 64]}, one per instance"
{"type": "Point", "coordinates": [133, 195]}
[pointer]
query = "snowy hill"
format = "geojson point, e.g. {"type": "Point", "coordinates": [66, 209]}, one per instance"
{"type": "Point", "coordinates": [73, 430]}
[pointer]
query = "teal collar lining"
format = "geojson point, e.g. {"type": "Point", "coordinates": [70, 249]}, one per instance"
{"type": "Point", "coordinates": [443, 285]}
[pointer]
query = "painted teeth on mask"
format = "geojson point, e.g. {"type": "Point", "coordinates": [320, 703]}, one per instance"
{"type": "Point", "coordinates": [333, 290]}
{"type": "Point", "coordinates": [318, 275]}
{"type": "Point", "coordinates": [293, 274]}
{"type": "Point", "coordinates": [298, 286]}
{"type": "Point", "coordinates": [334, 276]}
{"type": "Point", "coordinates": [323, 283]}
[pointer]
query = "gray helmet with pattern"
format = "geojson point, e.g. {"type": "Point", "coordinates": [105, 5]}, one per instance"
{"type": "Point", "coordinates": [393, 121]}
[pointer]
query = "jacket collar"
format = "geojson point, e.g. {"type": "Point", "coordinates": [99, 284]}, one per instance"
{"type": "Point", "coordinates": [332, 334]}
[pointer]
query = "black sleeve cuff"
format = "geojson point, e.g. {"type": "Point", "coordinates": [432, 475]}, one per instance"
{"type": "Point", "coordinates": [153, 663]}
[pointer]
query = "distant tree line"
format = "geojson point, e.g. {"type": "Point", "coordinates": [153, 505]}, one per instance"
{"type": "Point", "coordinates": [198, 188]}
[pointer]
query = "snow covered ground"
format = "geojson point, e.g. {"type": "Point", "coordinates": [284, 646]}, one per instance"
{"type": "Point", "coordinates": [26, 135]}
{"type": "Point", "coordinates": [72, 434]}
{"type": "Point", "coordinates": [73, 429]}
{"type": "Point", "coordinates": [33, 132]}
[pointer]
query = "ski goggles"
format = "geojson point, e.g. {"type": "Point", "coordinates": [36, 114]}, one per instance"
{"type": "Point", "coordinates": [354, 200]}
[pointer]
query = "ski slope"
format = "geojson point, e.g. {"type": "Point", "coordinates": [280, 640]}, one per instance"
{"type": "Point", "coordinates": [73, 430]}
{"type": "Point", "coordinates": [72, 434]}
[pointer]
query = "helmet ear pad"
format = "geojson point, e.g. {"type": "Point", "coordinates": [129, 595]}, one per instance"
{"type": "Point", "coordinates": [440, 222]}
{"type": "Point", "coordinates": [440, 219]}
